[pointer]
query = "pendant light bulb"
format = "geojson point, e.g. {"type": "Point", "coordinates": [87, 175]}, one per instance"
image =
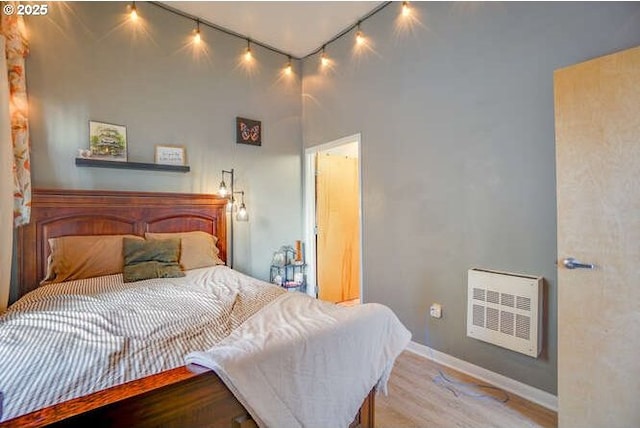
{"type": "Point", "coordinates": [248, 55]}
{"type": "Point", "coordinates": [359, 36]}
{"type": "Point", "coordinates": [134, 12]}
{"type": "Point", "coordinates": [406, 10]}
{"type": "Point", "coordinates": [197, 38]}
{"type": "Point", "coordinates": [289, 68]}
{"type": "Point", "coordinates": [323, 58]}
{"type": "Point", "coordinates": [222, 190]}
{"type": "Point", "coordinates": [242, 214]}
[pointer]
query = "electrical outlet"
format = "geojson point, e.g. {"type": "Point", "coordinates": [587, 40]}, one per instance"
{"type": "Point", "coordinates": [435, 310]}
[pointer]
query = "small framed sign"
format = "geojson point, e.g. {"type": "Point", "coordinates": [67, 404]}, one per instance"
{"type": "Point", "coordinates": [248, 131]}
{"type": "Point", "coordinates": [170, 155]}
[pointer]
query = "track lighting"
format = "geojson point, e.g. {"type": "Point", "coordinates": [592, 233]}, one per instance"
{"type": "Point", "coordinates": [247, 56]}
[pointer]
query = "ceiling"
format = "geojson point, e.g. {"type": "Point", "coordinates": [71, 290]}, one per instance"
{"type": "Point", "coordinates": [294, 27]}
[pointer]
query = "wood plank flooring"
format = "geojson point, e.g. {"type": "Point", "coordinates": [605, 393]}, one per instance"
{"type": "Point", "coordinates": [417, 400]}
{"type": "Point", "coordinates": [352, 302]}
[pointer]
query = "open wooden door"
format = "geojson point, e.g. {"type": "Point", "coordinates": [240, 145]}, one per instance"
{"type": "Point", "coordinates": [338, 223]}
{"type": "Point", "coordinates": [597, 108]}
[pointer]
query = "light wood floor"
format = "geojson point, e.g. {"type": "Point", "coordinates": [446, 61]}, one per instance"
{"type": "Point", "coordinates": [353, 302]}
{"type": "Point", "coordinates": [416, 400]}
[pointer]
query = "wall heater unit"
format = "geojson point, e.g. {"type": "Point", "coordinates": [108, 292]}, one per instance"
{"type": "Point", "coordinates": [505, 309]}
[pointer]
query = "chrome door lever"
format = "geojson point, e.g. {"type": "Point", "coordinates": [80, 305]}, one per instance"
{"type": "Point", "coordinates": [571, 263]}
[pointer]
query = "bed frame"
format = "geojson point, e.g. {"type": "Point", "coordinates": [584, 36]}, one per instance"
{"type": "Point", "coordinates": [182, 397]}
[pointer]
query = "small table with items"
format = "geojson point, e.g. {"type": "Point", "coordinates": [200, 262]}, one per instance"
{"type": "Point", "coordinates": [288, 269]}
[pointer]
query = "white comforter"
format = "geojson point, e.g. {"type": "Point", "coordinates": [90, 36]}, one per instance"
{"type": "Point", "coordinates": [290, 359]}
{"type": "Point", "coordinates": [300, 362]}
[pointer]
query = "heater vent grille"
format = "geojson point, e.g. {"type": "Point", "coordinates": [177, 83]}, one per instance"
{"type": "Point", "coordinates": [523, 327]}
{"type": "Point", "coordinates": [505, 309]}
{"type": "Point", "coordinates": [524, 303]}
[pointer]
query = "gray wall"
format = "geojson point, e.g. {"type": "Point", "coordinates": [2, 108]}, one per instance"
{"type": "Point", "coordinates": [87, 62]}
{"type": "Point", "coordinates": [458, 153]}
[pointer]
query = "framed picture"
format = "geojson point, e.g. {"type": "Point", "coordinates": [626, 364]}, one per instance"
{"type": "Point", "coordinates": [108, 141]}
{"type": "Point", "coordinates": [248, 131]}
{"type": "Point", "coordinates": [170, 155]}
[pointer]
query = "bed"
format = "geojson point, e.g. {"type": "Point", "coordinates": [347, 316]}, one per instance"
{"type": "Point", "coordinates": [181, 396]}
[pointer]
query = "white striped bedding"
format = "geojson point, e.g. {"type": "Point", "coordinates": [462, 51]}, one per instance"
{"type": "Point", "coordinates": [70, 339]}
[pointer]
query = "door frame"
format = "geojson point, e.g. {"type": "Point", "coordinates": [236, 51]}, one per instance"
{"type": "Point", "coordinates": [310, 207]}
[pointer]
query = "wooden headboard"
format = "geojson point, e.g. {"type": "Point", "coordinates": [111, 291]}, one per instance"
{"type": "Point", "coordinates": [92, 212]}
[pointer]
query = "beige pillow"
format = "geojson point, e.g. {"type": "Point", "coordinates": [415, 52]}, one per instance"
{"type": "Point", "coordinates": [78, 257]}
{"type": "Point", "coordinates": [197, 249]}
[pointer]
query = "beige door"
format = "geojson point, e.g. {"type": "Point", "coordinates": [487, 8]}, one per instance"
{"type": "Point", "coordinates": [338, 221]}
{"type": "Point", "coordinates": [597, 110]}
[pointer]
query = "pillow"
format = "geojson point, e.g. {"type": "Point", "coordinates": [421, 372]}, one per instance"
{"type": "Point", "coordinates": [198, 249]}
{"type": "Point", "coordinates": [150, 259]}
{"type": "Point", "coordinates": [78, 257]}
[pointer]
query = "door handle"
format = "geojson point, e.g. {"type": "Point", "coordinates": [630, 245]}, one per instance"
{"type": "Point", "coordinates": [571, 263]}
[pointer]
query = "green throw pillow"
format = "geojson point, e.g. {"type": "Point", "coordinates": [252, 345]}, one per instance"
{"type": "Point", "coordinates": [151, 259]}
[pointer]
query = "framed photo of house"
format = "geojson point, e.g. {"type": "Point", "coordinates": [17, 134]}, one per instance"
{"type": "Point", "coordinates": [248, 131]}
{"type": "Point", "coordinates": [108, 141]}
{"type": "Point", "coordinates": [171, 155]}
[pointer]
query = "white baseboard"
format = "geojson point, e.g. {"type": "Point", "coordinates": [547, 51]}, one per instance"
{"type": "Point", "coordinates": [530, 393]}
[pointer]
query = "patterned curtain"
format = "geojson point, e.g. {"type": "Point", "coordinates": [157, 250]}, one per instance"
{"type": "Point", "coordinates": [13, 29]}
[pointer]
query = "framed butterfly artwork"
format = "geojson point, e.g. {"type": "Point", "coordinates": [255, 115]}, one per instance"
{"type": "Point", "coordinates": [248, 131]}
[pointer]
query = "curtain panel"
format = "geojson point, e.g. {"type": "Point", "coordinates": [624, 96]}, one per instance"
{"type": "Point", "coordinates": [16, 49]}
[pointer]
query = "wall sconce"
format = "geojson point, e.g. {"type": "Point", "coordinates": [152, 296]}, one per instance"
{"type": "Point", "coordinates": [222, 190]}
{"type": "Point", "coordinates": [241, 215]}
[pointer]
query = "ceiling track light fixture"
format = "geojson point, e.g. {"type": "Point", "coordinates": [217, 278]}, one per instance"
{"type": "Point", "coordinates": [248, 55]}
{"type": "Point", "coordinates": [360, 38]}
{"type": "Point", "coordinates": [204, 22]}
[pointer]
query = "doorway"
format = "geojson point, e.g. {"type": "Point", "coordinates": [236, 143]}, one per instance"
{"type": "Point", "coordinates": [333, 220]}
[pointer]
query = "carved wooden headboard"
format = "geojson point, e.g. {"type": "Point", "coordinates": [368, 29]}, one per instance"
{"type": "Point", "coordinates": [91, 212]}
